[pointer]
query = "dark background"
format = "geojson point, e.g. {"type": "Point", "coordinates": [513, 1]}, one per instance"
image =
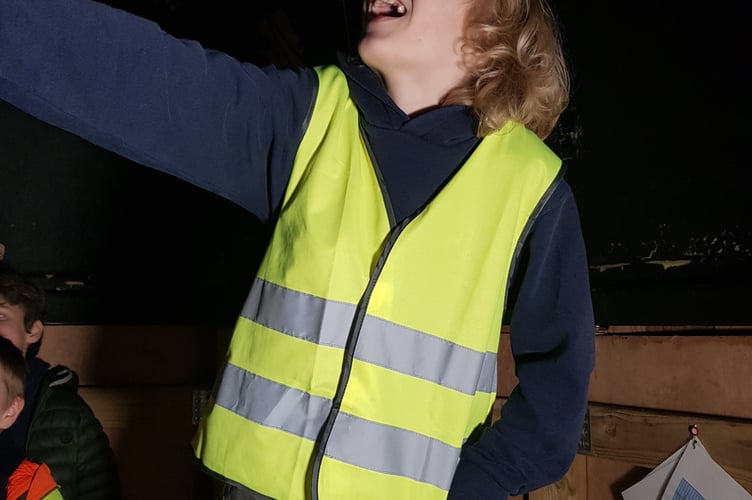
{"type": "Point", "coordinates": [655, 140]}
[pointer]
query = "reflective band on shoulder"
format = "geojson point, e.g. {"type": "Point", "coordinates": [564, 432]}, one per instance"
{"type": "Point", "coordinates": [298, 314]}
{"type": "Point", "coordinates": [391, 450]}
{"type": "Point", "coordinates": [381, 342]}
{"type": "Point", "coordinates": [271, 404]}
{"type": "Point", "coordinates": [431, 358]}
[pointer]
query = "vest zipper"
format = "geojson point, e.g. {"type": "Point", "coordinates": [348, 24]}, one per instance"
{"type": "Point", "coordinates": [349, 355]}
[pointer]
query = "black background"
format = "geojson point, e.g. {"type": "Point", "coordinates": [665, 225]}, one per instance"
{"type": "Point", "coordinates": [655, 139]}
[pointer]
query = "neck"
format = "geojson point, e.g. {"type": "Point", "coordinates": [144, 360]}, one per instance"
{"type": "Point", "coordinates": [415, 92]}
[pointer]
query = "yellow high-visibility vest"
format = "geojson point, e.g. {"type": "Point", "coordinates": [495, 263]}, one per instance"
{"type": "Point", "coordinates": [365, 356]}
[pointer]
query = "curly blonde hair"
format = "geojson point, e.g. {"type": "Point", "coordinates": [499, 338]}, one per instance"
{"type": "Point", "coordinates": [516, 66]}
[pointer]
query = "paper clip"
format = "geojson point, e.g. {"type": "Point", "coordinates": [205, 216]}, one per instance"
{"type": "Point", "coordinates": [694, 430]}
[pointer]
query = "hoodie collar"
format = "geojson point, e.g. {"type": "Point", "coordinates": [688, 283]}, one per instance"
{"type": "Point", "coordinates": [442, 125]}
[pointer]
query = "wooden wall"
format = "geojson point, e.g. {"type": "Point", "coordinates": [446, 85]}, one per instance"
{"type": "Point", "coordinates": [142, 381]}
{"type": "Point", "coordinates": [649, 385]}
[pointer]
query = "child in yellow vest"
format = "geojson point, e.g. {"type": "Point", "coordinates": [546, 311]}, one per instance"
{"type": "Point", "coordinates": [414, 206]}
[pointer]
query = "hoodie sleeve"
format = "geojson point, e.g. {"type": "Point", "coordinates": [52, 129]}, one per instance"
{"type": "Point", "coordinates": [552, 334]}
{"type": "Point", "coordinates": [122, 83]}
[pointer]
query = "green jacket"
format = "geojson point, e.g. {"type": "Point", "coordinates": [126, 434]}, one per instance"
{"type": "Point", "coordinates": [65, 434]}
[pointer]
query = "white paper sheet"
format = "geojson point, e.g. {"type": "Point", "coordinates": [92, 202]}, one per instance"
{"type": "Point", "coordinates": [688, 474]}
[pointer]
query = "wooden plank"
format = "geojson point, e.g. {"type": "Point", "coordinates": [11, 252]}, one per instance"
{"type": "Point", "coordinates": [646, 438]}
{"type": "Point", "coordinates": [505, 367]}
{"type": "Point", "coordinates": [134, 355]}
{"type": "Point", "coordinates": [606, 478]}
{"type": "Point", "coordinates": [630, 370]}
{"type": "Point", "coordinates": [150, 431]}
{"type": "Point", "coordinates": [685, 373]}
{"type": "Point", "coordinates": [640, 439]}
{"type": "Point", "coordinates": [678, 373]}
{"type": "Point", "coordinates": [573, 486]}
{"type": "Point", "coordinates": [674, 329]}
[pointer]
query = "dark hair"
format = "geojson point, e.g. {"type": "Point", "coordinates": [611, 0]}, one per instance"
{"type": "Point", "coordinates": [12, 368]}
{"type": "Point", "coordinates": [18, 290]}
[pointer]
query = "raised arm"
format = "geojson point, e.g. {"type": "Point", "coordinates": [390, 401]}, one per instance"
{"type": "Point", "coordinates": [121, 82]}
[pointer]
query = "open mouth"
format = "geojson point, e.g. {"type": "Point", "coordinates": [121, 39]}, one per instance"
{"type": "Point", "coordinates": [385, 8]}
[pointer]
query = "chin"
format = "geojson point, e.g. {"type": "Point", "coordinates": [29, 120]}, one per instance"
{"type": "Point", "coordinates": [376, 54]}
{"type": "Point", "coordinates": [366, 53]}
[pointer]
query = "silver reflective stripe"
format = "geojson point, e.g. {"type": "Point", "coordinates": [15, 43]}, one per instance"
{"type": "Point", "coordinates": [391, 450]}
{"type": "Point", "coordinates": [298, 314]}
{"type": "Point", "coordinates": [381, 342]}
{"type": "Point", "coordinates": [271, 404]}
{"type": "Point", "coordinates": [356, 441]}
{"type": "Point", "coordinates": [431, 358]}
{"type": "Point", "coordinates": [488, 374]}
